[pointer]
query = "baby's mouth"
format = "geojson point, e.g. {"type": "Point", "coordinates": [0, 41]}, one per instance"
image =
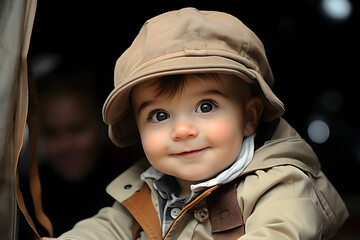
{"type": "Point", "coordinates": [189, 153]}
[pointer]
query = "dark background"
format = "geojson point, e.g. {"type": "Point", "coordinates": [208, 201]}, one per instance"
{"type": "Point", "coordinates": [312, 57]}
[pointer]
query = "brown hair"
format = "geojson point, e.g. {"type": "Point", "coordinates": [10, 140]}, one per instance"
{"type": "Point", "coordinates": [174, 84]}
{"type": "Point", "coordinates": [171, 85]}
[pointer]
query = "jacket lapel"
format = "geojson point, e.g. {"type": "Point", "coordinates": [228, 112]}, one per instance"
{"type": "Point", "coordinates": [141, 207]}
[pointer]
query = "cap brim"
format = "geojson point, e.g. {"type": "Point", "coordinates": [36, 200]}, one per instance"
{"type": "Point", "coordinates": [115, 110]}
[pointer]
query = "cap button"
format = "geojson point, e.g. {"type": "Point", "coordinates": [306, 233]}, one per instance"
{"type": "Point", "coordinates": [201, 214]}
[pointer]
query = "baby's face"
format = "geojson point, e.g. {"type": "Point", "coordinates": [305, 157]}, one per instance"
{"type": "Point", "coordinates": [195, 134]}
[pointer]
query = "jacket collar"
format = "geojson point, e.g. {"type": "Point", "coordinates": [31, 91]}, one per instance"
{"type": "Point", "coordinates": [129, 182]}
{"type": "Point", "coordinates": [286, 147]}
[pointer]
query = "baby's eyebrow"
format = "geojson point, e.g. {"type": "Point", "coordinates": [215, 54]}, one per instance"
{"type": "Point", "coordinates": [213, 92]}
{"type": "Point", "coordinates": [144, 105]}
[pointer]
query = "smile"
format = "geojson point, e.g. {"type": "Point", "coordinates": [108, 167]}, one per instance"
{"type": "Point", "coordinates": [189, 153]}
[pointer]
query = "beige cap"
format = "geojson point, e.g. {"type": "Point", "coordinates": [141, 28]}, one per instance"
{"type": "Point", "coordinates": [182, 42]}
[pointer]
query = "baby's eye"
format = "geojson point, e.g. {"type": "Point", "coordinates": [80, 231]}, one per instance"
{"type": "Point", "coordinates": [205, 107]}
{"type": "Point", "coordinates": [158, 116]}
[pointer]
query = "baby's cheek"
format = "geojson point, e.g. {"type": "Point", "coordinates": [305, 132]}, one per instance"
{"type": "Point", "coordinates": [224, 131]}
{"type": "Point", "coordinates": [153, 145]}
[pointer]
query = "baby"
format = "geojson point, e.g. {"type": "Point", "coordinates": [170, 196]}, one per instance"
{"type": "Point", "coordinates": [195, 89]}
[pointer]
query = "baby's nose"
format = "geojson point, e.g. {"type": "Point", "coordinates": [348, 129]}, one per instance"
{"type": "Point", "coordinates": [184, 130]}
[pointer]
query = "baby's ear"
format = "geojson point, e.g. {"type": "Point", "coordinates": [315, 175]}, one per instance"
{"type": "Point", "coordinates": [253, 111]}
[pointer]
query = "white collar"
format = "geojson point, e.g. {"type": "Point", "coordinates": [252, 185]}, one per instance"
{"type": "Point", "coordinates": [244, 158]}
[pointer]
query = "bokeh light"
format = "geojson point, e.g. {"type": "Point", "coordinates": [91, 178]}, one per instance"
{"type": "Point", "coordinates": [338, 10]}
{"type": "Point", "coordinates": [318, 131]}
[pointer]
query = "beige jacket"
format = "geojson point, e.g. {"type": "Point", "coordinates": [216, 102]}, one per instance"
{"type": "Point", "coordinates": [283, 195]}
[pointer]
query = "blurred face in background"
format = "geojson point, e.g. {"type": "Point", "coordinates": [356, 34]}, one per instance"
{"type": "Point", "coordinates": [70, 134]}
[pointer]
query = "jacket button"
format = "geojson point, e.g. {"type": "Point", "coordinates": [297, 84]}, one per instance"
{"type": "Point", "coordinates": [201, 214]}
{"type": "Point", "coordinates": [175, 212]}
{"type": "Point", "coordinates": [128, 186]}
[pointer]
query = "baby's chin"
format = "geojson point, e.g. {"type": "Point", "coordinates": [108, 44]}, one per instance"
{"type": "Point", "coordinates": [196, 177]}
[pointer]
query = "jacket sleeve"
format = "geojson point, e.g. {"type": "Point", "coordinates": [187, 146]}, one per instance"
{"type": "Point", "coordinates": [111, 223]}
{"type": "Point", "coordinates": [279, 203]}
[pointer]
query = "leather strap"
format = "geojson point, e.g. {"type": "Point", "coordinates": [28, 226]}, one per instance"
{"type": "Point", "coordinates": [35, 186]}
{"type": "Point", "coordinates": [225, 215]}
{"type": "Point", "coordinates": [141, 207]}
{"type": "Point", "coordinates": [135, 230]}
{"type": "Point", "coordinates": [22, 207]}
